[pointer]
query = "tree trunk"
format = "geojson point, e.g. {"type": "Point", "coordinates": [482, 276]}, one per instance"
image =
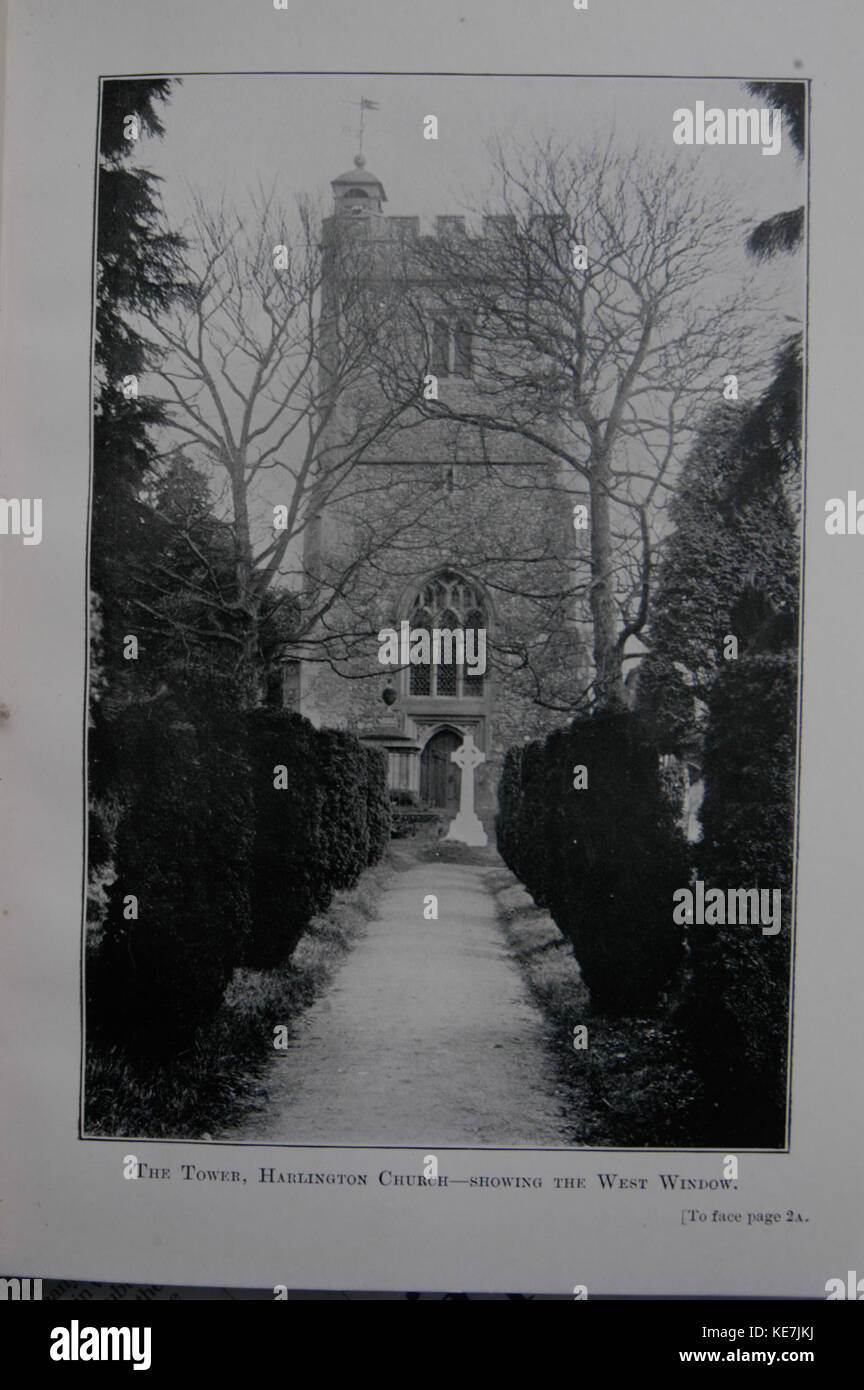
{"type": "Point", "coordinates": [250, 675]}
{"type": "Point", "coordinates": [608, 678]}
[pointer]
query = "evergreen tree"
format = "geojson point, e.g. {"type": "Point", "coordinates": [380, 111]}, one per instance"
{"type": "Point", "coordinates": [135, 262]}
{"type": "Point", "coordinates": [785, 230]}
{"type": "Point", "coordinates": [736, 534]}
{"type": "Point", "coordinates": [136, 271]}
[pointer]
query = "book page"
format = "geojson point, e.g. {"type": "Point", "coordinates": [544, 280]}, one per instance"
{"type": "Point", "coordinates": [429, 539]}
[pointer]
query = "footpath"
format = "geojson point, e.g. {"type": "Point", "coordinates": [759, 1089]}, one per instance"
{"type": "Point", "coordinates": [427, 1036]}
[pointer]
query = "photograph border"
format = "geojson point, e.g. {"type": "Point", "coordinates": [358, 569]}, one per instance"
{"type": "Point", "coordinates": [570, 1150]}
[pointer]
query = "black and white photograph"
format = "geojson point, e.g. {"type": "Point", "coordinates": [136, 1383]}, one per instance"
{"type": "Point", "coordinates": [430, 567]}
{"type": "Point", "coordinates": [445, 564]}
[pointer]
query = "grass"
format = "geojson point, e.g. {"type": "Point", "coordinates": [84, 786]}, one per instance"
{"type": "Point", "coordinates": [453, 852]}
{"type": "Point", "coordinates": [632, 1086]}
{"type": "Point", "coordinates": [219, 1079]}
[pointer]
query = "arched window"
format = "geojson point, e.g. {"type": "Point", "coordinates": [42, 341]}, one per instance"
{"type": "Point", "coordinates": [448, 607]}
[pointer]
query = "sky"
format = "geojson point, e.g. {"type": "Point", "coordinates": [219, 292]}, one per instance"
{"type": "Point", "coordinates": [226, 133]}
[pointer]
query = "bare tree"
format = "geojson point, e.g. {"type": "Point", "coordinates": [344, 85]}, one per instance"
{"type": "Point", "coordinates": [603, 322]}
{"type": "Point", "coordinates": [257, 365]}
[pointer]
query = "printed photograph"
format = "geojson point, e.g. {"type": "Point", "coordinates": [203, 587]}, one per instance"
{"type": "Point", "coordinates": [445, 608]}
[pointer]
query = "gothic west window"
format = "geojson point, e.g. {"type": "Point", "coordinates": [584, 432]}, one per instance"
{"type": "Point", "coordinates": [451, 348]}
{"type": "Point", "coordinates": [447, 602]}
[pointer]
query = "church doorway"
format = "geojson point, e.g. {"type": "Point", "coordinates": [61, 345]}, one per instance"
{"type": "Point", "coordinates": [439, 775]}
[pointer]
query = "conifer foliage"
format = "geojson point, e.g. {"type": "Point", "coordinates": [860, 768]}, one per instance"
{"type": "Point", "coordinates": [322, 815]}
{"type": "Point", "coordinates": [605, 858]}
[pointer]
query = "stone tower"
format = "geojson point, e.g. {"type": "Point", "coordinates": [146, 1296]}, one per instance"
{"type": "Point", "coordinates": [471, 532]}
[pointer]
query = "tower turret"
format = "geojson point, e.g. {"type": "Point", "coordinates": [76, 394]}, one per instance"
{"type": "Point", "coordinates": [358, 193]}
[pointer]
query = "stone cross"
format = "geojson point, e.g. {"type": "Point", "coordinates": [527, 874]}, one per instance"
{"type": "Point", "coordinates": [467, 826]}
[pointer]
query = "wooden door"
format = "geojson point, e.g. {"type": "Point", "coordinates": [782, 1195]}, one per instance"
{"type": "Point", "coordinates": [439, 775]}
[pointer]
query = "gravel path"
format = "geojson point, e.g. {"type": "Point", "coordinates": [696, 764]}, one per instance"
{"type": "Point", "coordinates": [426, 1037]}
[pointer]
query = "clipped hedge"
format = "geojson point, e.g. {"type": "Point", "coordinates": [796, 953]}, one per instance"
{"type": "Point", "coordinates": [736, 1005]}
{"type": "Point", "coordinates": [378, 814]}
{"type": "Point", "coordinates": [226, 869]}
{"type": "Point", "coordinates": [288, 882]}
{"type": "Point", "coordinates": [343, 845]}
{"type": "Point", "coordinates": [531, 845]}
{"type": "Point", "coordinates": [182, 848]}
{"type": "Point", "coordinates": [507, 819]}
{"type": "Point", "coordinates": [604, 859]}
{"type": "Point", "coordinates": [315, 836]}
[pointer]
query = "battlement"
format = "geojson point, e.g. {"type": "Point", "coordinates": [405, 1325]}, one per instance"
{"type": "Point", "coordinates": [447, 227]}
{"type": "Point", "coordinates": [397, 229]}
{"type": "Point", "coordinates": [408, 228]}
{"type": "Point", "coordinates": [359, 196]}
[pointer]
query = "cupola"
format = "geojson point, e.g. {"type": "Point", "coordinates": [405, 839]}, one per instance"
{"type": "Point", "coordinates": [358, 193]}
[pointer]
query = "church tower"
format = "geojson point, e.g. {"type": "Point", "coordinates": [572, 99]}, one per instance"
{"type": "Point", "coordinates": [471, 533]}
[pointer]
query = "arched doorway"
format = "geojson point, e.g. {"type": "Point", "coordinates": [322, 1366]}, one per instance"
{"type": "Point", "coordinates": [439, 775]}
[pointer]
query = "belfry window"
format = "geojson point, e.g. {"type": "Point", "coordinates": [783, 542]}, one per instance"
{"type": "Point", "coordinates": [356, 200]}
{"type": "Point", "coordinates": [447, 605]}
{"type": "Point", "coordinates": [451, 348]}
{"type": "Point", "coordinates": [441, 348]}
{"type": "Point", "coordinates": [462, 350]}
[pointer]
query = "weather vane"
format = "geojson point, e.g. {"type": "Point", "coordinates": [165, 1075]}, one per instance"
{"type": "Point", "coordinates": [365, 105]}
